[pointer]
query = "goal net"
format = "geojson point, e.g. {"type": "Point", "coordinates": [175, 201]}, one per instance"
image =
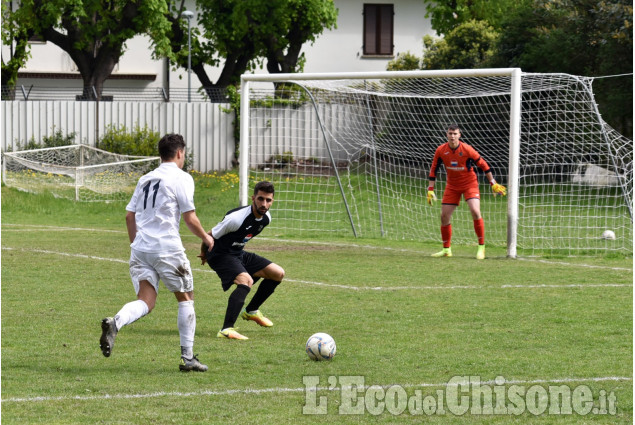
{"type": "Point", "coordinates": [78, 172]}
{"type": "Point", "coordinates": [350, 154]}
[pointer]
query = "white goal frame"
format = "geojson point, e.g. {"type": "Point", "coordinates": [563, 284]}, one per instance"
{"type": "Point", "coordinates": [353, 151]}
{"type": "Point", "coordinates": [514, 134]}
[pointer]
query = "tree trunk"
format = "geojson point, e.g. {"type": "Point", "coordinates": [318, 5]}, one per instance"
{"type": "Point", "coordinates": [279, 63]}
{"type": "Point", "coordinates": [235, 65]}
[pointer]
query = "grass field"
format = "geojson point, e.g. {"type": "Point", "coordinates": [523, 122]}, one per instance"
{"type": "Point", "coordinates": [406, 326]}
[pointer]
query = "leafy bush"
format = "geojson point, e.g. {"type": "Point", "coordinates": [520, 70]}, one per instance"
{"type": "Point", "coordinates": [404, 62]}
{"type": "Point", "coordinates": [52, 141]}
{"type": "Point", "coordinates": [471, 44]}
{"type": "Point", "coordinates": [140, 141]}
{"type": "Point", "coordinates": [58, 139]}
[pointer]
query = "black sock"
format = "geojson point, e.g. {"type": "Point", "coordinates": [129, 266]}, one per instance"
{"type": "Point", "coordinates": [265, 289]}
{"type": "Point", "coordinates": [235, 304]}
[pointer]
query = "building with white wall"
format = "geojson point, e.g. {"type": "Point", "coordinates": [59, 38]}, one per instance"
{"type": "Point", "coordinates": [349, 47]}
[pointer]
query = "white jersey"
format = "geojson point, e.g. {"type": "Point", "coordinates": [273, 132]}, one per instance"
{"type": "Point", "coordinates": [159, 199]}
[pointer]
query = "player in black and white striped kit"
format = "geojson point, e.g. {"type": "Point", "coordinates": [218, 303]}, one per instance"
{"type": "Point", "coordinates": [236, 266]}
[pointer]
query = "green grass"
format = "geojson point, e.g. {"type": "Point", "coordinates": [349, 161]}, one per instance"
{"type": "Point", "coordinates": [554, 218]}
{"type": "Point", "coordinates": [397, 315]}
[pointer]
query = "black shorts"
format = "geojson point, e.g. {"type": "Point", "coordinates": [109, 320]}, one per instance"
{"type": "Point", "coordinates": [227, 267]}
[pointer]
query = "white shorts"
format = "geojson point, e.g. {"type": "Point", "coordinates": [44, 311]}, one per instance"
{"type": "Point", "coordinates": [172, 268]}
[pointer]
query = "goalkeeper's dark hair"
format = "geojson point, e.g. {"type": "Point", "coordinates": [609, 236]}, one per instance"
{"type": "Point", "coordinates": [264, 186]}
{"type": "Point", "coordinates": [169, 145]}
{"type": "Point", "coordinates": [454, 127]}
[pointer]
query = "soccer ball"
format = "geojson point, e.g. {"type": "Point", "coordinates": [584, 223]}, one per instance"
{"type": "Point", "coordinates": [320, 346]}
{"type": "Point", "coordinates": [608, 235]}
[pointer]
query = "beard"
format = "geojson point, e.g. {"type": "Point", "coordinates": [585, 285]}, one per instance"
{"type": "Point", "coordinates": [262, 210]}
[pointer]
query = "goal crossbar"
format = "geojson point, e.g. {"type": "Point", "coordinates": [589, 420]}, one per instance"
{"type": "Point", "coordinates": [485, 72]}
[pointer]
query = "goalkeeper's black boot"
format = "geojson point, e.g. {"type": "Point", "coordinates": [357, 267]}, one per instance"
{"type": "Point", "coordinates": [187, 365]}
{"type": "Point", "coordinates": [108, 334]}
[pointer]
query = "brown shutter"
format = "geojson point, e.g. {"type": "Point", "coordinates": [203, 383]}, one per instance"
{"type": "Point", "coordinates": [370, 29]}
{"type": "Point", "coordinates": [378, 29]}
{"type": "Point", "coordinates": [385, 34]}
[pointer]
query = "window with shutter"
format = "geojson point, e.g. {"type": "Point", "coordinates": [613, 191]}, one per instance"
{"type": "Point", "coordinates": [378, 29]}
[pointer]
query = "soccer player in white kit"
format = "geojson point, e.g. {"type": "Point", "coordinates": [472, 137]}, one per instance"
{"type": "Point", "coordinates": [157, 253]}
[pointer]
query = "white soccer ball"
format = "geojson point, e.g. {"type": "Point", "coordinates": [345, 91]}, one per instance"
{"type": "Point", "coordinates": [608, 235]}
{"type": "Point", "coordinates": [320, 346]}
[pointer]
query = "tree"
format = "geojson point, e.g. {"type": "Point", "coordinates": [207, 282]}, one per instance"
{"type": "Point", "coordinates": [615, 56]}
{"type": "Point", "coordinates": [471, 44]}
{"type": "Point", "coordinates": [94, 32]}
{"type": "Point", "coordinates": [231, 30]}
{"type": "Point", "coordinates": [468, 45]}
{"type": "Point", "coordinates": [240, 34]}
{"type": "Point", "coordinates": [580, 37]}
{"type": "Point", "coordinates": [445, 15]}
{"type": "Point", "coordinates": [300, 21]}
{"type": "Point", "coordinates": [18, 38]}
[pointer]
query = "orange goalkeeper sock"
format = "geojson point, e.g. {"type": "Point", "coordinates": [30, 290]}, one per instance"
{"type": "Point", "coordinates": [446, 235]}
{"type": "Point", "coordinates": [479, 228]}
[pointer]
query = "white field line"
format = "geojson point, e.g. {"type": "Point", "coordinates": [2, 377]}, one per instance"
{"type": "Point", "coordinates": [280, 390]}
{"type": "Point", "coordinates": [296, 390]}
{"type": "Point", "coordinates": [34, 228]}
{"type": "Point", "coordinates": [349, 287]}
{"type": "Point", "coordinates": [414, 251]}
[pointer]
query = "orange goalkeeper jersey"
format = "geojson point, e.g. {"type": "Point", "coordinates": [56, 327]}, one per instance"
{"type": "Point", "coordinates": [459, 164]}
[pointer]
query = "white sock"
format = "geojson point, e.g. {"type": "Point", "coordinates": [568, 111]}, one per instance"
{"type": "Point", "coordinates": [187, 325]}
{"type": "Point", "coordinates": [130, 312]}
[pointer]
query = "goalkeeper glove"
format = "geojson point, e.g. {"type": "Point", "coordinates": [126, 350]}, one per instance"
{"type": "Point", "coordinates": [499, 189]}
{"type": "Point", "coordinates": [431, 196]}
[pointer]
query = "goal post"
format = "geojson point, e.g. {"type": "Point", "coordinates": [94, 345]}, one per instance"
{"type": "Point", "coordinates": [514, 134]}
{"type": "Point", "coordinates": [514, 154]}
{"type": "Point", "coordinates": [353, 151]}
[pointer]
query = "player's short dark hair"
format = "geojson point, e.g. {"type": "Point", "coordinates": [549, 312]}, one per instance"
{"type": "Point", "coordinates": [169, 145]}
{"type": "Point", "coordinates": [264, 186]}
{"type": "Point", "coordinates": [454, 127]}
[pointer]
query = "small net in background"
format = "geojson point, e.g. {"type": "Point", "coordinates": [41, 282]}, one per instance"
{"type": "Point", "coordinates": [78, 172]}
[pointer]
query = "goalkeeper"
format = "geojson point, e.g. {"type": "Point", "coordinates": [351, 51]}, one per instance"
{"type": "Point", "coordinates": [459, 160]}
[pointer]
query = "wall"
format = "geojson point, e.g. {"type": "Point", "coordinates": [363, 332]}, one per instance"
{"type": "Point", "coordinates": [341, 49]}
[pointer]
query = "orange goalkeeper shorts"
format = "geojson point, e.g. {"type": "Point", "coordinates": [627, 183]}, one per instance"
{"type": "Point", "coordinates": [452, 195]}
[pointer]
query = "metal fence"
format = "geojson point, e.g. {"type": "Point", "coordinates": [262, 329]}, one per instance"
{"type": "Point", "coordinates": [114, 94]}
{"type": "Point", "coordinates": [207, 127]}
